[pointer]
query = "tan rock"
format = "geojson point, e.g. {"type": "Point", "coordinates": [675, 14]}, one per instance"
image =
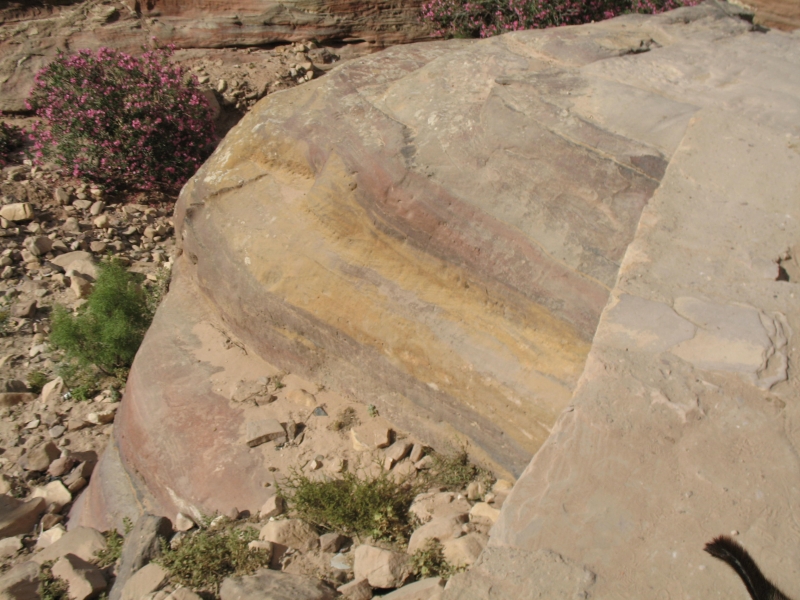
{"type": "Point", "coordinates": [290, 533]}
{"type": "Point", "coordinates": [302, 397]}
{"type": "Point", "coordinates": [484, 513]}
{"type": "Point", "coordinates": [84, 579]}
{"type": "Point", "coordinates": [52, 391]}
{"type": "Point", "coordinates": [184, 522]}
{"type": "Point", "coordinates": [50, 536]}
{"type": "Point", "coordinates": [17, 516]}
{"type": "Point", "coordinates": [39, 245]}
{"type": "Point", "coordinates": [382, 568]}
{"type": "Point", "coordinates": [10, 546]}
{"type": "Point", "coordinates": [146, 580]}
{"type": "Point", "coordinates": [83, 542]}
{"type": "Point", "coordinates": [183, 594]}
{"type": "Point", "coordinates": [40, 457]}
{"type": "Point", "coordinates": [396, 452]}
{"type": "Point", "coordinates": [424, 589]}
{"type": "Point", "coordinates": [79, 261]}
{"type": "Point", "coordinates": [440, 528]}
{"type": "Point", "coordinates": [439, 504]}
{"type": "Point", "coordinates": [358, 589]}
{"type": "Point", "coordinates": [371, 436]}
{"type": "Point", "coordinates": [273, 507]}
{"type": "Point", "coordinates": [21, 582]}
{"type": "Point", "coordinates": [54, 493]}
{"type": "Point", "coordinates": [264, 430]}
{"type": "Point", "coordinates": [17, 211]}
{"type": "Point", "coordinates": [267, 583]}
{"type": "Point", "coordinates": [80, 286]}
{"type": "Point", "coordinates": [466, 549]}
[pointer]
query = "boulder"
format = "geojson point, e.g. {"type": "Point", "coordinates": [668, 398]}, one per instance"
{"type": "Point", "coordinates": [83, 542]}
{"type": "Point", "coordinates": [274, 585]}
{"type": "Point", "coordinates": [18, 516]}
{"type": "Point", "coordinates": [21, 582]}
{"type": "Point", "coordinates": [146, 580]}
{"type": "Point", "coordinates": [440, 528]}
{"type": "Point", "coordinates": [382, 568]}
{"type": "Point", "coordinates": [424, 589]}
{"type": "Point", "coordinates": [84, 579]}
{"type": "Point", "coordinates": [40, 457]}
{"type": "Point", "coordinates": [290, 533]}
{"type": "Point", "coordinates": [142, 544]}
{"type": "Point", "coordinates": [54, 493]}
{"type": "Point", "coordinates": [358, 589]}
{"type": "Point", "coordinates": [17, 211]}
{"type": "Point", "coordinates": [464, 550]}
{"type": "Point", "coordinates": [80, 262]}
{"type": "Point", "coordinates": [10, 546]}
{"type": "Point", "coordinates": [273, 507]}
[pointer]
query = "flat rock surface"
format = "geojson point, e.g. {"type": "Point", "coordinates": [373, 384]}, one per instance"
{"type": "Point", "coordinates": [684, 423]}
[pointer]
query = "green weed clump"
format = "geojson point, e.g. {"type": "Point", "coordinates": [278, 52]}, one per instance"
{"type": "Point", "coordinates": [429, 561]}
{"type": "Point", "coordinates": [36, 381]}
{"type": "Point", "coordinates": [108, 329]}
{"type": "Point", "coordinates": [51, 587]}
{"type": "Point", "coordinates": [374, 507]}
{"type": "Point", "coordinates": [114, 542]}
{"type": "Point", "coordinates": [455, 471]}
{"type": "Point", "coordinates": [204, 558]}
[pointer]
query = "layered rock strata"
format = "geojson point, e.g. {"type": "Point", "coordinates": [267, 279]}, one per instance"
{"type": "Point", "coordinates": [433, 230]}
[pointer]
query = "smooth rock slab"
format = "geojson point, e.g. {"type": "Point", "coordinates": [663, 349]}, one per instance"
{"type": "Point", "coordinates": [274, 585]}
{"type": "Point", "coordinates": [17, 516]}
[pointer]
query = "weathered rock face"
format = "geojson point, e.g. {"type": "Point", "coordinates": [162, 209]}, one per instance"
{"type": "Point", "coordinates": [433, 230]}
{"type": "Point", "coordinates": [31, 37]}
{"type": "Point", "coordinates": [679, 429]}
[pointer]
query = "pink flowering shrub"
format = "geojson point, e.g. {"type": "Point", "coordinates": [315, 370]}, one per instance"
{"type": "Point", "coordinates": [126, 122]}
{"type": "Point", "coordinates": [485, 18]}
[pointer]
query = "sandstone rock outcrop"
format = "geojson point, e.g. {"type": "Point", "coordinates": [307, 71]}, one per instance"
{"type": "Point", "coordinates": [433, 230]}
{"type": "Point", "coordinates": [679, 429]}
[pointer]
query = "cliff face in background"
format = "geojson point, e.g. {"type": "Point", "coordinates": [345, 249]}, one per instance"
{"type": "Point", "coordinates": [30, 37]}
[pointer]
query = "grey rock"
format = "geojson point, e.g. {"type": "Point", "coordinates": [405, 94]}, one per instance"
{"type": "Point", "coordinates": [18, 516]}
{"type": "Point", "coordinates": [142, 544]}
{"type": "Point", "coordinates": [264, 430]}
{"type": "Point", "coordinates": [146, 580]}
{"type": "Point", "coordinates": [274, 585]}
{"type": "Point", "coordinates": [40, 457]}
{"type": "Point", "coordinates": [21, 582]}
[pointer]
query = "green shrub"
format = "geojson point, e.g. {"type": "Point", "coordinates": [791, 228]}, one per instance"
{"type": "Point", "coordinates": [36, 381]}
{"type": "Point", "coordinates": [207, 556]}
{"type": "Point", "coordinates": [429, 561]}
{"type": "Point", "coordinates": [82, 380]}
{"type": "Point", "coordinates": [114, 542]}
{"type": "Point", "coordinates": [375, 506]}
{"type": "Point", "coordinates": [455, 471]}
{"type": "Point", "coordinates": [51, 587]}
{"type": "Point", "coordinates": [108, 329]}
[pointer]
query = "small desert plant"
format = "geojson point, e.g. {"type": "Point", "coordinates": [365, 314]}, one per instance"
{"type": "Point", "coordinates": [82, 380]}
{"type": "Point", "coordinates": [121, 120]}
{"type": "Point", "coordinates": [373, 506]}
{"type": "Point", "coordinates": [51, 587]}
{"type": "Point", "coordinates": [114, 542]}
{"type": "Point", "coordinates": [454, 471]}
{"type": "Point", "coordinates": [429, 561]}
{"type": "Point", "coordinates": [36, 381]}
{"type": "Point", "coordinates": [485, 18]}
{"type": "Point", "coordinates": [346, 420]}
{"type": "Point", "coordinates": [207, 556]}
{"type": "Point", "coordinates": [108, 329]}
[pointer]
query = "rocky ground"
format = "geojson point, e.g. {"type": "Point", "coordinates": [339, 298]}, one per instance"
{"type": "Point", "coordinates": [53, 232]}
